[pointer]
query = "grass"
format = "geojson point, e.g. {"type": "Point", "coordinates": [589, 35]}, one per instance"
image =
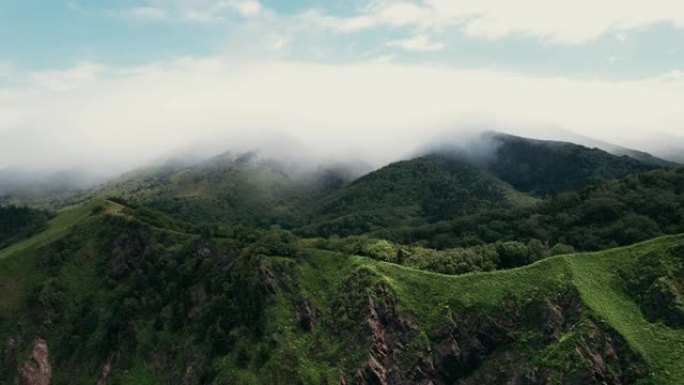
{"type": "Point", "coordinates": [17, 261]}
{"type": "Point", "coordinates": [57, 228]}
{"type": "Point", "coordinates": [433, 297]}
{"type": "Point", "coordinates": [593, 275]}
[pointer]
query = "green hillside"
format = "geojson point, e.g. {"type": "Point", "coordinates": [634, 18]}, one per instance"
{"type": "Point", "coordinates": [157, 301]}
{"type": "Point", "coordinates": [20, 222]}
{"type": "Point", "coordinates": [324, 201]}
{"type": "Point", "coordinates": [547, 167]}
{"type": "Point", "coordinates": [186, 275]}
{"type": "Point", "coordinates": [615, 213]}
{"type": "Point", "coordinates": [242, 189]}
{"type": "Point", "coordinates": [410, 192]}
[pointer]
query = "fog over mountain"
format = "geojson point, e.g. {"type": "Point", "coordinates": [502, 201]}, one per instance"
{"type": "Point", "coordinates": [96, 120]}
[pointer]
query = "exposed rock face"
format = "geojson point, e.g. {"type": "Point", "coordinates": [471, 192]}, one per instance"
{"type": "Point", "coordinates": [36, 370]}
{"type": "Point", "coordinates": [306, 317]}
{"type": "Point", "coordinates": [460, 349]}
{"type": "Point", "coordinates": [480, 349]}
{"type": "Point", "coordinates": [388, 332]}
{"type": "Point", "coordinates": [106, 369]}
{"type": "Point", "coordinates": [267, 279]}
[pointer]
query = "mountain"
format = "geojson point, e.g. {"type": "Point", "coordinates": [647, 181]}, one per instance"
{"type": "Point", "coordinates": [542, 167]}
{"type": "Point", "coordinates": [614, 213]}
{"type": "Point", "coordinates": [432, 270]}
{"type": "Point", "coordinates": [499, 172]}
{"type": "Point", "coordinates": [410, 192]}
{"type": "Point", "coordinates": [117, 294]}
{"type": "Point", "coordinates": [337, 199]}
{"type": "Point", "coordinates": [237, 189]}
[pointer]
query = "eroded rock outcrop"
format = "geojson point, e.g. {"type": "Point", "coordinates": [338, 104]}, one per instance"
{"type": "Point", "coordinates": [106, 369]}
{"type": "Point", "coordinates": [267, 279]}
{"type": "Point", "coordinates": [479, 346]}
{"type": "Point", "coordinates": [388, 333]}
{"type": "Point", "coordinates": [306, 317]}
{"type": "Point", "coordinates": [36, 370]}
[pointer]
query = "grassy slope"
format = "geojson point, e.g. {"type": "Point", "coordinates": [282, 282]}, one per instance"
{"type": "Point", "coordinates": [17, 261]}
{"type": "Point", "coordinates": [433, 299]}
{"type": "Point", "coordinates": [57, 228]}
{"type": "Point", "coordinates": [593, 274]}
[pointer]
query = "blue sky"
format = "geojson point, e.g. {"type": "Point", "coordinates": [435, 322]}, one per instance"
{"type": "Point", "coordinates": [40, 35]}
{"type": "Point", "coordinates": [111, 85]}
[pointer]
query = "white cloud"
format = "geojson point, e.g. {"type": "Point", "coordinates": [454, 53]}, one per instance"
{"type": "Point", "coordinates": [74, 6]}
{"type": "Point", "coordinates": [145, 13]}
{"type": "Point", "coordinates": [416, 43]}
{"type": "Point", "coordinates": [61, 80]}
{"type": "Point", "coordinates": [192, 10]}
{"type": "Point", "coordinates": [106, 119]}
{"type": "Point", "coordinates": [246, 7]}
{"type": "Point", "coordinates": [557, 21]}
{"type": "Point", "coordinates": [278, 42]}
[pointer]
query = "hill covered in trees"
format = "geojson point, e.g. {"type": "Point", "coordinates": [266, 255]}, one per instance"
{"type": "Point", "coordinates": [19, 222]}
{"type": "Point", "coordinates": [337, 199]}
{"type": "Point", "coordinates": [542, 167]}
{"type": "Point", "coordinates": [411, 192]}
{"type": "Point", "coordinates": [236, 189]}
{"type": "Point", "coordinates": [618, 212]}
{"type": "Point", "coordinates": [127, 297]}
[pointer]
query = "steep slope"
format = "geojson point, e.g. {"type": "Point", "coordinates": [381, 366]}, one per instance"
{"type": "Point", "coordinates": [411, 192]}
{"type": "Point", "coordinates": [124, 299]}
{"type": "Point", "coordinates": [547, 167]}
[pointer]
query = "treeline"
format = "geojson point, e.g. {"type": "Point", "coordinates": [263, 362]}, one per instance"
{"type": "Point", "coordinates": [19, 222]}
{"type": "Point", "coordinates": [620, 212]}
{"type": "Point", "coordinates": [452, 261]}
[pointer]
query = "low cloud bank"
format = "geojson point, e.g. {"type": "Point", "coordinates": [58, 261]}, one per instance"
{"type": "Point", "coordinates": [106, 121]}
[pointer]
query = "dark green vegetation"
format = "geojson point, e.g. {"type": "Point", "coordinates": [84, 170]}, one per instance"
{"type": "Point", "coordinates": [243, 190]}
{"type": "Point", "coordinates": [20, 222]}
{"type": "Point", "coordinates": [615, 213]}
{"type": "Point", "coordinates": [446, 185]}
{"type": "Point", "coordinates": [442, 269]}
{"type": "Point", "coordinates": [411, 192]}
{"type": "Point", "coordinates": [126, 288]}
{"type": "Point", "coordinates": [546, 167]}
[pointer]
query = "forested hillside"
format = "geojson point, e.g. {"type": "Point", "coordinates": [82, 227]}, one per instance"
{"type": "Point", "coordinates": [411, 192]}
{"type": "Point", "coordinates": [618, 212]}
{"type": "Point", "coordinates": [18, 222]}
{"type": "Point", "coordinates": [546, 167]}
{"type": "Point", "coordinates": [129, 297]}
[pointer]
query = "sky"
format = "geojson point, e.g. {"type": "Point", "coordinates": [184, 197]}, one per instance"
{"type": "Point", "coordinates": [111, 85]}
